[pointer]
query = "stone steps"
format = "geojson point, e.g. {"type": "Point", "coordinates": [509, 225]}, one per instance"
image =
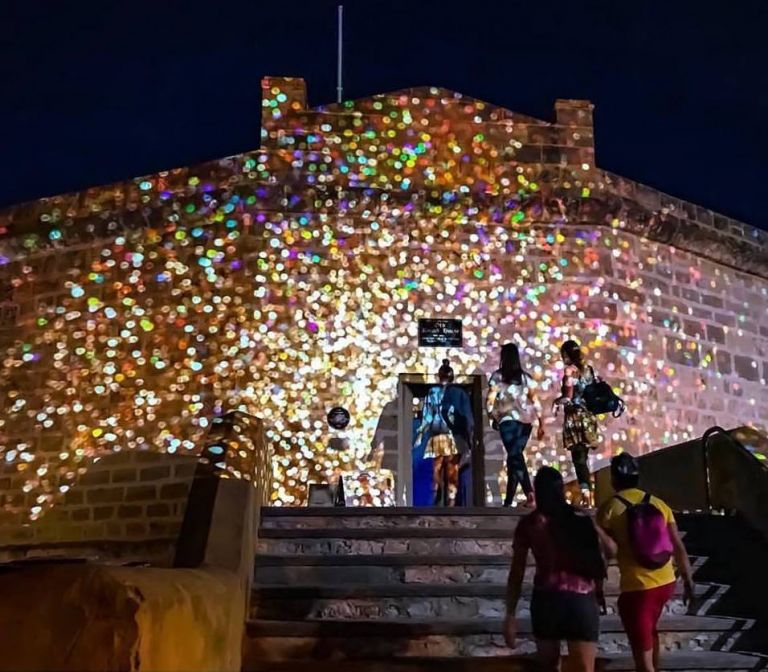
{"type": "Point", "coordinates": [386, 540]}
{"type": "Point", "coordinates": [394, 517]}
{"type": "Point", "coordinates": [477, 637]}
{"type": "Point", "coordinates": [321, 570]}
{"type": "Point", "coordinates": [403, 585]}
{"type": "Point", "coordinates": [434, 601]}
{"type": "Point", "coordinates": [690, 662]}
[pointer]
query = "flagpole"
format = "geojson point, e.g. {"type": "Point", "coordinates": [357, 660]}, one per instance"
{"type": "Point", "coordinates": [339, 87]}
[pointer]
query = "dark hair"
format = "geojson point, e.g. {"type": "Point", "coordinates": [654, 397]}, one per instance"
{"type": "Point", "coordinates": [445, 373]}
{"type": "Point", "coordinates": [510, 366]}
{"type": "Point", "coordinates": [625, 472]}
{"type": "Point", "coordinates": [573, 350]}
{"type": "Point", "coordinates": [573, 533]}
{"type": "Point", "coordinates": [550, 493]}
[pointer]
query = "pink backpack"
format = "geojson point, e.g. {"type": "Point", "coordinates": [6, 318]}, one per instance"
{"type": "Point", "coordinates": [648, 533]}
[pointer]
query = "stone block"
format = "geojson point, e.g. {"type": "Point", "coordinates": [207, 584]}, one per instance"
{"type": "Point", "coordinates": [528, 154]}
{"type": "Point", "coordinates": [138, 493]}
{"type": "Point", "coordinates": [715, 334]}
{"type": "Point", "coordinates": [105, 495]}
{"type": "Point", "coordinates": [746, 368]}
{"type": "Point", "coordinates": [94, 476]}
{"type": "Point", "coordinates": [135, 529]}
{"type": "Point", "coordinates": [116, 459]}
{"type": "Point", "coordinates": [174, 490]}
{"type": "Point", "coordinates": [604, 310]}
{"type": "Point", "coordinates": [130, 511]}
{"type": "Point", "coordinates": [712, 301]}
{"type": "Point", "coordinates": [114, 529]}
{"type": "Point", "coordinates": [682, 352]}
{"type": "Point", "coordinates": [124, 475]}
{"type": "Point", "coordinates": [103, 512]}
{"type": "Point", "coordinates": [694, 329]}
{"type": "Point", "coordinates": [690, 295]}
{"type": "Point", "coordinates": [725, 319]}
{"type": "Point", "coordinates": [158, 510]}
{"type": "Point", "coordinates": [155, 473]}
{"type": "Point", "coordinates": [144, 457]}
{"type": "Point", "coordinates": [161, 528]}
{"type": "Point", "coordinates": [184, 470]}
{"type": "Point", "coordinates": [701, 313]}
{"type": "Point", "coordinates": [553, 155]}
{"type": "Point", "coordinates": [74, 496]}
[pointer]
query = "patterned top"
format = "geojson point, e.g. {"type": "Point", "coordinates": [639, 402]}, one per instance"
{"type": "Point", "coordinates": [512, 401]}
{"type": "Point", "coordinates": [578, 380]}
{"type": "Point", "coordinates": [432, 417]}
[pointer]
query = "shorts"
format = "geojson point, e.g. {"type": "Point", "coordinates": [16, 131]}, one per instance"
{"type": "Point", "coordinates": [640, 611]}
{"type": "Point", "coordinates": [564, 615]}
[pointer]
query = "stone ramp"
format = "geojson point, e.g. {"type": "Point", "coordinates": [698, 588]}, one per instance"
{"type": "Point", "coordinates": [426, 587]}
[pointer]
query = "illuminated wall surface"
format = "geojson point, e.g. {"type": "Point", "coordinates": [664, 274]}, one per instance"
{"type": "Point", "coordinates": [289, 279]}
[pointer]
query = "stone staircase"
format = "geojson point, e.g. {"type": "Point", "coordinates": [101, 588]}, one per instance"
{"type": "Point", "coordinates": [392, 589]}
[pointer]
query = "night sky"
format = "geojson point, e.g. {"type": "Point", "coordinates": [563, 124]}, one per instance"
{"type": "Point", "coordinates": [98, 92]}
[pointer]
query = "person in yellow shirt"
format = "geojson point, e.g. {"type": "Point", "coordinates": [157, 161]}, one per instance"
{"type": "Point", "coordinates": [644, 591]}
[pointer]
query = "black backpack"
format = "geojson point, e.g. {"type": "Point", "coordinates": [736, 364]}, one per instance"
{"type": "Point", "coordinates": [599, 398]}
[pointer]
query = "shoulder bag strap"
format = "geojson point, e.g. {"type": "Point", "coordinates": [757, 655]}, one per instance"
{"type": "Point", "coordinates": [625, 502]}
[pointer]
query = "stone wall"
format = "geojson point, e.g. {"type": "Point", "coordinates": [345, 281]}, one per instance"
{"type": "Point", "coordinates": [290, 279]}
{"type": "Point", "coordinates": [126, 507]}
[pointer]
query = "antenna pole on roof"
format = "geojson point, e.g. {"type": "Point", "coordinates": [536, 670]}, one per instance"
{"type": "Point", "coordinates": [339, 87]}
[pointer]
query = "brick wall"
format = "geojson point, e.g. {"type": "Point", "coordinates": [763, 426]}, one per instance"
{"type": "Point", "coordinates": [290, 279]}
{"type": "Point", "coordinates": [125, 507]}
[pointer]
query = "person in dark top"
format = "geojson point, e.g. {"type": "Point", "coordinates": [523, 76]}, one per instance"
{"type": "Point", "coordinates": [569, 551]}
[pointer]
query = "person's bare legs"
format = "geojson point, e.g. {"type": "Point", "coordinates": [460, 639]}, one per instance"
{"type": "Point", "coordinates": [548, 655]}
{"type": "Point", "coordinates": [437, 477]}
{"type": "Point", "coordinates": [581, 657]}
{"type": "Point", "coordinates": [452, 478]}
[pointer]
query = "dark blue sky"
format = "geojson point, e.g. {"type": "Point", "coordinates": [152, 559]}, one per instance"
{"type": "Point", "coordinates": [96, 92]}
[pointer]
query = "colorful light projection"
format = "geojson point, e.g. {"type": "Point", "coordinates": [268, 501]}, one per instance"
{"type": "Point", "coordinates": [289, 280]}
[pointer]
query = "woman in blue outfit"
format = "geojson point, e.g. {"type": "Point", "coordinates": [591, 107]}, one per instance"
{"type": "Point", "coordinates": [447, 425]}
{"type": "Point", "coordinates": [513, 407]}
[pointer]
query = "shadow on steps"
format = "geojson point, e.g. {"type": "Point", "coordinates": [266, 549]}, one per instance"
{"type": "Point", "coordinates": [737, 556]}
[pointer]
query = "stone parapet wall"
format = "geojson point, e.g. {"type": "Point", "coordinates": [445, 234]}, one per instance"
{"type": "Point", "coordinates": [125, 507]}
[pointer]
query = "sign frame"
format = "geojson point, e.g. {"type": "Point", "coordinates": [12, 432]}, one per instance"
{"type": "Point", "coordinates": [441, 332]}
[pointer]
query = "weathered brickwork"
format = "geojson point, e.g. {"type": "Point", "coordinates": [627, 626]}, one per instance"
{"type": "Point", "coordinates": [289, 279]}
{"type": "Point", "coordinates": [126, 506]}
